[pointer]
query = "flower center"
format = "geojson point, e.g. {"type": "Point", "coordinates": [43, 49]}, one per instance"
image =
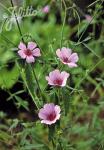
{"type": "Point", "coordinates": [58, 81]}
{"type": "Point", "coordinates": [51, 116]}
{"type": "Point", "coordinates": [28, 52]}
{"type": "Point", "coordinates": [65, 59]}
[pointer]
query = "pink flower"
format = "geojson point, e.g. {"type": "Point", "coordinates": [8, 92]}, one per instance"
{"type": "Point", "coordinates": [46, 9]}
{"type": "Point", "coordinates": [67, 57]}
{"type": "Point", "coordinates": [49, 114]}
{"type": "Point", "coordinates": [30, 52]}
{"type": "Point", "coordinates": [57, 78]}
{"type": "Point", "coordinates": [88, 18]}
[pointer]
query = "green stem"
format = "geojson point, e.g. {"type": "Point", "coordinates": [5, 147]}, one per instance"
{"type": "Point", "coordinates": [53, 143]}
{"type": "Point", "coordinates": [89, 23]}
{"type": "Point", "coordinates": [61, 148]}
{"type": "Point", "coordinates": [7, 40]}
{"type": "Point", "coordinates": [63, 27]}
{"type": "Point", "coordinates": [26, 84]}
{"type": "Point", "coordinates": [57, 90]}
{"type": "Point", "coordinates": [58, 95]}
{"type": "Point", "coordinates": [36, 81]}
{"type": "Point", "coordinates": [87, 73]}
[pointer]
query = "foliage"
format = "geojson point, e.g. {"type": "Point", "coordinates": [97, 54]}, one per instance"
{"type": "Point", "coordinates": [81, 100]}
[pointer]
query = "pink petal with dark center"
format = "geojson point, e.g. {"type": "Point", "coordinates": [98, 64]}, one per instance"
{"type": "Point", "coordinates": [66, 52]}
{"type": "Point", "coordinates": [22, 54]}
{"type": "Point", "coordinates": [49, 113]}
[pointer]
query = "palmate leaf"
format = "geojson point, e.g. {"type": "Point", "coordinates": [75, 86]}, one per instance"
{"type": "Point", "coordinates": [8, 77]}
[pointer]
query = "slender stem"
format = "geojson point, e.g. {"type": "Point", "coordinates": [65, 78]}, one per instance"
{"type": "Point", "coordinates": [53, 144]}
{"type": "Point", "coordinates": [26, 84]}
{"type": "Point", "coordinates": [36, 81]}
{"type": "Point", "coordinates": [31, 95]}
{"type": "Point", "coordinates": [63, 26]}
{"type": "Point", "coordinates": [89, 23]}
{"type": "Point", "coordinates": [57, 91]}
{"type": "Point", "coordinates": [7, 40]}
{"type": "Point", "coordinates": [58, 95]}
{"type": "Point", "coordinates": [17, 21]}
{"type": "Point", "coordinates": [61, 148]}
{"type": "Point", "coordinates": [77, 85]}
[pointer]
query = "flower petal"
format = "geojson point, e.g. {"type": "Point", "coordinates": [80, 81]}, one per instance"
{"type": "Point", "coordinates": [22, 46]}
{"type": "Point", "coordinates": [49, 107]}
{"type": "Point", "coordinates": [46, 9]}
{"type": "Point", "coordinates": [42, 114]}
{"type": "Point", "coordinates": [50, 82]}
{"type": "Point", "coordinates": [57, 109]}
{"type": "Point", "coordinates": [22, 54]}
{"type": "Point", "coordinates": [58, 53]}
{"type": "Point", "coordinates": [66, 52]}
{"type": "Point", "coordinates": [30, 59]}
{"type": "Point", "coordinates": [58, 116]}
{"type": "Point", "coordinates": [31, 45]}
{"type": "Point", "coordinates": [48, 122]}
{"type": "Point", "coordinates": [36, 52]}
{"type": "Point", "coordinates": [54, 74]}
{"type": "Point", "coordinates": [74, 58]}
{"type": "Point", "coordinates": [64, 76]}
{"type": "Point", "coordinates": [72, 65]}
